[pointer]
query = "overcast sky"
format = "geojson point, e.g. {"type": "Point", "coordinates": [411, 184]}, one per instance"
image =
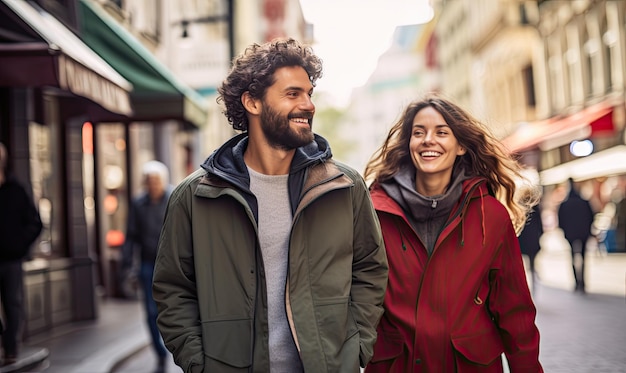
{"type": "Point", "coordinates": [350, 35]}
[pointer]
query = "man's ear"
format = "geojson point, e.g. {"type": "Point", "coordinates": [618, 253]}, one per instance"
{"type": "Point", "coordinates": [252, 105]}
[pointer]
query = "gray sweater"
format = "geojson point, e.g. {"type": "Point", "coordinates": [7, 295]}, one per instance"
{"type": "Point", "coordinates": [274, 228]}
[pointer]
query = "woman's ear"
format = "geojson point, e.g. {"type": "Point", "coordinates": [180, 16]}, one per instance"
{"type": "Point", "coordinates": [252, 105]}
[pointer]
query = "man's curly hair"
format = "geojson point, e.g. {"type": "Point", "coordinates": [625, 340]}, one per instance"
{"type": "Point", "coordinates": [253, 71]}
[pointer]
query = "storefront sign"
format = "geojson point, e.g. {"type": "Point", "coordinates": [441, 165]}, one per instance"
{"type": "Point", "coordinates": [82, 81]}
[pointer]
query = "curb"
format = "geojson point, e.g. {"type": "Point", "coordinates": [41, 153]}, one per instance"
{"type": "Point", "coordinates": [29, 358]}
{"type": "Point", "coordinates": [109, 358]}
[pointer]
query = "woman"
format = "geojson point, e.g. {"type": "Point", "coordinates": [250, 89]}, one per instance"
{"type": "Point", "coordinates": [457, 296]}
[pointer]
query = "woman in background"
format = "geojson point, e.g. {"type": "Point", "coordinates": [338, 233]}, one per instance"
{"type": "Point", "coordinates": [530, 238]}
{"type": "Point", "coordinates": [457, 297]}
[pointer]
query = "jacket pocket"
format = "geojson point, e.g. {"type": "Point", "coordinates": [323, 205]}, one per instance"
{"type": "Point", "coordinates": [477, 349]}
{"type": "Point", "coordinates": [339, 334]}
{"type": "Point", "coordinates": [335, 320]}
{"type": "Point", "coordinates": [229, 341]}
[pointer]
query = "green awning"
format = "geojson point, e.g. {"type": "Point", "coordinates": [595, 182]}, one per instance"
{"type": "Point", "coordinates": [157, 94]}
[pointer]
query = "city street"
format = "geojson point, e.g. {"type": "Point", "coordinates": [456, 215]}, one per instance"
{"type": "Point", "coordinates": [93, 91]}
{"type": "Point", "coordinates": [580, 333]}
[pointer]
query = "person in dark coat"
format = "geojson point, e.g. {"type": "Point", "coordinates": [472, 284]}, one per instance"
{"type": "Point", "coordinates": [20, 225]}
{"type": "Point", "coordinates": [620, 226]}
{"type": "Point", "coordinates": [575, 219]}
{"type": "Point", "coordinates": [529, 240]}
{"type": "Point", "coordinates": [145, 220]}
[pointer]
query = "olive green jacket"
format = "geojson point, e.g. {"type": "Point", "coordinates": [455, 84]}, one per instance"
{"type": "Point", "coordinates": [209, 277]}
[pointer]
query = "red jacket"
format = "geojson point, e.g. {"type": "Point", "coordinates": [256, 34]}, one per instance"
{"type": "Point", "coordinates": [461, 308]}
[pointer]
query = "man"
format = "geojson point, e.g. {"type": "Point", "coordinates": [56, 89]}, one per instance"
{"type": "Point", "coordinates": [20, 224]}
{"type": "Point", "coordinates": [145, 219]}
{"type": "Point", "coordinates": [271, 257]}
{"type": "Point", "coordinates": [575, 219]}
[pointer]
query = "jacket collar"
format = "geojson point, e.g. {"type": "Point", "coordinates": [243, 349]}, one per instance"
{"type": "Point", "coordinates": [473, 188]}
{"type": "Point", "coordinates": [311, 167]}
{"type": "Point", "coordinates": [227, 161]}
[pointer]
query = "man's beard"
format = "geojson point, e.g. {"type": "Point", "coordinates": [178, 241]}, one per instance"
{"type": "Point", "coordinates": [279, 133]}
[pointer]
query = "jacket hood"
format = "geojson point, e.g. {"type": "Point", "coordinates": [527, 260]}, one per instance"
{"type": "Point", "coordinates": [227, 161]}
{"type": "Point", "coordinates": [471, 188]}
{"type": "Point", "coordinates": [427, 214]}
{"type": "Point", "coordinates": [402, 189]}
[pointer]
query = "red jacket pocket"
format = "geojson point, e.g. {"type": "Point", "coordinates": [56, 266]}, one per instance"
{"type": "Point", "coordinates": [482, 349]}
{"type": "Point", "coordinates": [389, 345]}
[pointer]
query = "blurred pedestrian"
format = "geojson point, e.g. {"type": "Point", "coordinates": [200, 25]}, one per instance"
{"type": "Point", "coordinates": [529, 240]}
{"type": "Point", "coordinates": [271, 257]}
{"type": "Point", "coordinates": [457, 297]}
{"type": "Point", "coordinates": [575, 219]}
{"type": "Point", "coordinates": [620, 226]}
{"type": "Point", "coordinates": [145, 220]}
{"type": "Point", "coordinates": [619, 222]}
{"type": "Point", "coordinates": [20, 225]}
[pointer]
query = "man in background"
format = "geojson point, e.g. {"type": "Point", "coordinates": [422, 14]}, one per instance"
{"type": "Point", "coordinates": [20, 224]}
{"type": "Point", "coordinates": [145, 219]}
{"type": "Point", "coordinates": [575, 219]}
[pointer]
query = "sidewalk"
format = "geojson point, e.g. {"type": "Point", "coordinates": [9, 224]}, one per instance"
{"type": "Point", "coordinates": [605, 273]}
{"type": "Point", "coordinates": [120, 334]}
{"type": "Point", "coordinates": [87, 347]}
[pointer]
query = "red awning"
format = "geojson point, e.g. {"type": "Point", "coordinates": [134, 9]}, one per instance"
{"type": "Point", "coordinates": [595, 120]}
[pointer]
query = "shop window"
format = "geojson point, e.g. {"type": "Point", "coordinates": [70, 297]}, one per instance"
{"type": "Point", "coordinates": [141, 150]}
{"type": "Point", "coordinates": [89, 186]}
{"type": "Point", "coordinates": [111, 160]}
{"type": "Point", "coordinates": [558, 71]}
{"type": "Point", "coordinates": [590, 53]}
{"type": "Point", "coordinates": [144, 17]}
{"type": "Point", "coordinates": [46, 185]}
{"type": "Point", "coordinates": [111, 186]}
{"type": "Point", "coordinates": [610, 46]}
{"type": "Point", "coordinates": [574, 64]}
{"type": "Point", "coordinates": [529, 86]}
{"type": "Point", "coordinates": [595, 49]}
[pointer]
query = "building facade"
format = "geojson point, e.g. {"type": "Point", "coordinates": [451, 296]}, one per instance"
{"type": "Point", "coordinates": [548, 77]}
{"type": "Point", "coordinates": [83, 103]}
{"type": "Point", "coordinates": [92, 89]}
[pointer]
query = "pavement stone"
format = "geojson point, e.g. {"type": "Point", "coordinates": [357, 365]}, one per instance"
{"type": "Point", "coordinates": [605, 272]}
{"type": "Point", "coordinates": [144, 362]}
{"type": "Point", "coordinates": [581, 333]}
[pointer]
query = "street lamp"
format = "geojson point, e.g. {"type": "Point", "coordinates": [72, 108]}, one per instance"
{"type": "Point", "coordinates": [228, 18]}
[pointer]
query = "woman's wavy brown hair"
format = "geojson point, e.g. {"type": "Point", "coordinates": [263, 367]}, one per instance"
{"type": "Point", "coordinates": [253, 71]}
{"type": "Point", "coordinates": [485, 156]}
